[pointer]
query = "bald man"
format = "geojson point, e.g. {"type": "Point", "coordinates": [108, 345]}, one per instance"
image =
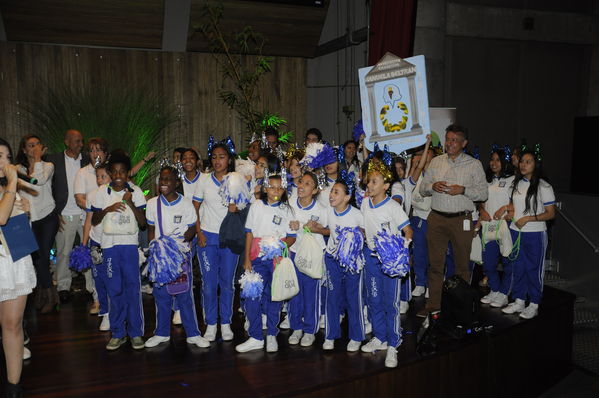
{"type": "Point", "coordinates": [66, 165]}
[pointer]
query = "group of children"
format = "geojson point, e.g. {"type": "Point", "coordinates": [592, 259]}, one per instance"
{"type": "Point", "coordinates": [340, 202]}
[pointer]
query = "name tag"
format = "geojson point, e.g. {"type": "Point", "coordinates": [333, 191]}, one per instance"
{"type": "Point", "coordinates": [277, 220]}
{"type": "Point", "coordinates": [466, 225]}
{"type": "Point", "coordinates": [177, 219]}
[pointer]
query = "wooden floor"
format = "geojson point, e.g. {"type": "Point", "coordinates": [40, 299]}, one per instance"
{"type": "Point", "coordinates": [69, 360]}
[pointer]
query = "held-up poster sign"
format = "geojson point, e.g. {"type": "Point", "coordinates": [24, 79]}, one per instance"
{"type": "Point", "coordinates": [394, 102]}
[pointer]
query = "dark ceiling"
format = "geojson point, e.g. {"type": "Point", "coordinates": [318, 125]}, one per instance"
{"type": "Point", "coordinates": [291, 27]}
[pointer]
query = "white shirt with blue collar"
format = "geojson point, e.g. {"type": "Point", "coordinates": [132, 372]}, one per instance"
{"type": "Point", "coordinates": [545, 197]}
{"type": "Point", "coordinates": [190, 186]}
{"type": "Point", "coordinates": [388, 215]}
{"type": "Point", "coordinates": [350, 217]}
{"type": "Point", "coordinates": [500, 190]}
{"type": "Point", "coordinates": [212, 209]}
{"type": "Point", "coordinates": [315, 212]}
{"type": "Point", "coordinates": [177, 216]}
{"type": "Point", "coordinates": [323, 196]}
{"type": "Point", "coordinates": [269, 220]}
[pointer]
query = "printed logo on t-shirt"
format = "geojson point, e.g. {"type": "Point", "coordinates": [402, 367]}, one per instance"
{"type": "Point", "coordinates": [314, 218]}
{"type": "Point", "coordinates": [177, 219]}
{"type": "Point", "coordinates": [502, 184]}
{"type": "Point", "coordinates": [277, 220]}
{"type": "Point", "coordinates": [386, 225]}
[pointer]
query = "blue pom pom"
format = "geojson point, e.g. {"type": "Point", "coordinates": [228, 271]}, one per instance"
{"type": "Point", "coordinates": [165, 259]}
{"type": "Point", "coordinates": [252, 285]}
{"type": "Point", "coordinates": [394, 257]}
{"type": "Point", "coordinates": [358, 130]}
{"type": "Point", "coordinates": [348, 252]}
{"type": "Point", "coordinates": [271, 247]}
{"type": "Point", "coordinates": [80, 258]}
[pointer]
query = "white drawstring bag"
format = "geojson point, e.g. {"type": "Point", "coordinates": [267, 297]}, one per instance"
{"type": "Point", "coordinates": [476, 253]}
{"type": "Point", "coordinates": [309, 257]}
{"type": "Point", "coordinates": [490, 231]}
{"type": "Point", "coordinates": [284, 281]}
{"type": "Point", "coordinates": [120, 223]}
{"type": "Point", "coordinates": [505, 239]}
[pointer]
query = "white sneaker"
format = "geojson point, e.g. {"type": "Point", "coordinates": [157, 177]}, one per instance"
{"type": "Point", "coordinates": [404, 306]}
{"type": "Point", "coordinates": [307, 340]}
{"type": "Point", "coordinates": [264, 319]}
{"type": "Point", "coordinates": [391, 358]}
{"type": "Point", "coordinates": [489, 297]}
{"type": "Point", "coordinates": [210, 333]}
{"type": "Point", "coordinates": [418, 291]}
{"type": "Point", "coordinates": [374, 345]}
{"type": "Point", "coordinates": [367, 327]}
{"type": "Point", "coordinates": [353, 345]}
{"type": "Point", "coordinates": [285, 323]}
{"type": "Point", "coordinates": [271, 344]}
{"type": "Point", "coordinates": [322, 322]}
{"type": "Point", "coordinates": [328, 345]}
{"type": "Point", "coordinates": [499, 301]}
{"type": "Point", "coordinates": [295, 337]}
{"type": "Point", "coordinates": [516, 306]}
{"type": "Point", "coordinates": [105, 324]}
{"type": "Point", "coordinates": [156, 340]}
{"type": "Point", "coordinates": [199, 341]}
{"type": "Point", "coordinates": [177, 318]}
{"type": "Point", "coordinates": [26, 353]}
{"type": "Point", "coordinates": [226, 332]}
{"type": "Point", "coordinates": [250, 344]}
{"type": "Point", "coordinates": [530, 312]}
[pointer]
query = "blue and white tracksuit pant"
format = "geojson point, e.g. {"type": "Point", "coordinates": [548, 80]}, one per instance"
{"type": "Point", "coordinates": [491, 256]}
{"type": "Point", "coordinates": [304, 308]}
{"type": "Point", "coordinates": [124, 291]}
{"type": "Point", "coordinates": [185, 303]}
{"type": "Point", "coordinates": [342, 284]}
{"type": "Point", "coordinates": [529, 266]}
{"type": "Point", "coordinates": [253, 307]}
{"type": "Point", "coordinates": [101, 284]}
{"type": "Point", "coordinates": [383, 301]}
{"type": "Point", "coordinates": [419, 250]}
{"type": "Point", "coordinates": [217, 266]}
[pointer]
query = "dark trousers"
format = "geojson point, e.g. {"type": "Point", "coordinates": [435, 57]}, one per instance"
{"type": "Point", "coordinates": [441, 231]}
{"type": "Point", "coordinates": [44, 231]}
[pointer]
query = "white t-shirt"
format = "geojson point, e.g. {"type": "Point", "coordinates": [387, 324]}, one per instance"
{"type": "Point", "coordinates": [72, 166]}
{"type": "Point", "coordinates": [500, 190]}
{"type": "Point", "coordinates": [95, 232]}
{"type": "Point", "coordinates": [177, 216]}
{"type": "Point", "coordinates": [190, 186]}
{"type": "Point", "coordinates": [85, 180]}
{"type": "Point", "coordinates": [316, 212]}
{"type": "Point", "coordinates": [398, 191]}
{"type": "Point", "coordinates": [323, 196]}
{"type": "Point", "coordinates": [350, 217]}
{"type": "Point", "coordinates": [269, 220]}
{"type": "Point", "coordinates": [545, 197]}
{"type": "Point", "coordinates": [212, 209]}
{"type": "Point", "coordinates": [388, 215]}
{"type": "Point", "coordinates": [105, 197]}
{"type": "Point", "coordinates": [421, 205]}
{"type": "Point", "coordinates": [42, 204]}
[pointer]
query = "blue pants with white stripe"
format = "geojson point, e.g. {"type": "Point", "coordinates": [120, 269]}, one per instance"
{"type": "Point", "coordinates": [253, 307]}
{"type": "Point", "coordinates": [217, 266]}
{"type": "Point", "coordinates": [342, 284]}
{"type": "Point", "coordinates": [101, 283]}
{"type": "Point", "coordinates": [383, 301]}
{"type": "Point", "coordinates": [124, 291]}
{"type": "Point", "coordinates": [419, 250]}
{"type": "Point", "coordinates": [185, 303]}
{"type": "Point", "coordinates": [529, 266]}
{"type": "Point", "coordinates": [491, 256]}
{"type": "Point", "coordinates": [304, 307]}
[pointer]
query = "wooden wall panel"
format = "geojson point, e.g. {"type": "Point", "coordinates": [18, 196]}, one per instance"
{"type": "Point", "coordinates": [188, 81]}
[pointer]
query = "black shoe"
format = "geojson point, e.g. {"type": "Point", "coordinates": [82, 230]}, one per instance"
{"type": "Point", "coordinates": [65, 296]}
{"type": "Point", "coordinates": [14, 390]}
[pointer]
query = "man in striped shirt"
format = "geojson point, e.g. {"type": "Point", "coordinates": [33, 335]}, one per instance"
{"type": "Point", "coordinates": [455, 181]}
